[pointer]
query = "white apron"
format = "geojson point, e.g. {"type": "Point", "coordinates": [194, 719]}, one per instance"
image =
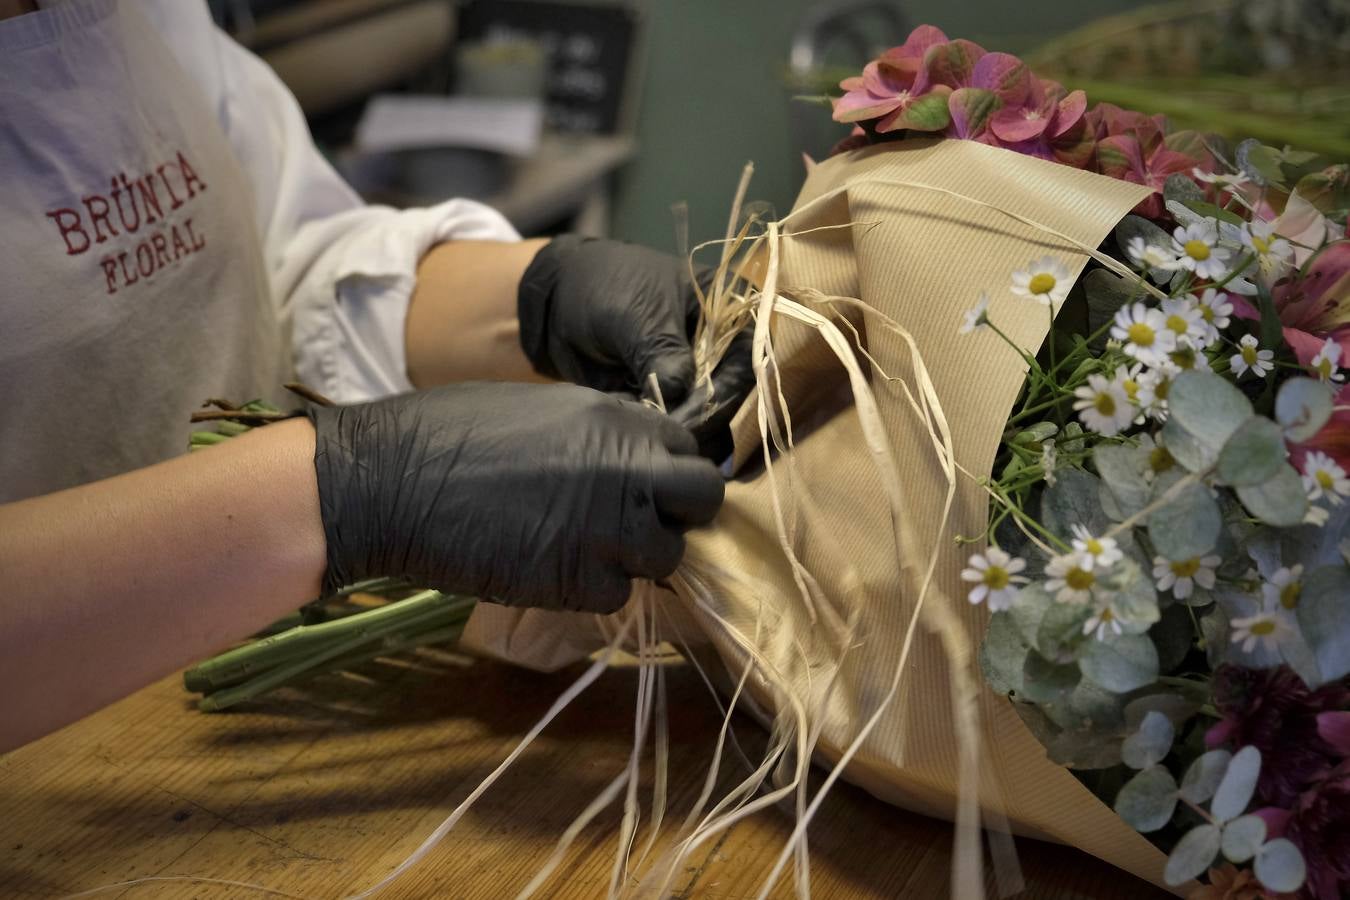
{"type": "Point", "coordinates": [132, 282]}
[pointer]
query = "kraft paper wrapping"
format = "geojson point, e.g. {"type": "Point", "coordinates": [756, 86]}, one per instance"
{"type": "Point", "coordinates": [921, 258]}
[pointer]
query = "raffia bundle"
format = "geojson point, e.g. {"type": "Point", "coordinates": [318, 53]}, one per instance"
{"type": "Point", "coordinates": [829, 586]}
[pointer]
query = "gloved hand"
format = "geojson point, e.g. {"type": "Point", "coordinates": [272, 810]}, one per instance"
{"type": "Point", "coordinates": [606, 314]}
{"type": "Point", "coordinates": [531, 495]}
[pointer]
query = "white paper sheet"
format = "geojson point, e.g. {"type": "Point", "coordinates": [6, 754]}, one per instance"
{"type": "Point", "coordinates": [408, 121]}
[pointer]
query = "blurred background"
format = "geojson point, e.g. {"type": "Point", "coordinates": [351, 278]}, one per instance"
{"type": "Point", "coordinates": [599, 115]}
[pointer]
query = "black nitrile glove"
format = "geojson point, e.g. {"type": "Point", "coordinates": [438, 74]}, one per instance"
{"type": "Point", "coordinates": [553, 496]}
{"type": "Point", "coordinates": [606, 314]}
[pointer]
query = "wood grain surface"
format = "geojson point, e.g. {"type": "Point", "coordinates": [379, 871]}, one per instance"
{"type": "Point", "coordinates": [321, 790]}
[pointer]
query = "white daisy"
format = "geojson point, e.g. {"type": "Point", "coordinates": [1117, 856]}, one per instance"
{"type": "Point", "coordinates": [1273, 253]}
{"type": "Point", "coordinates": [978, 317]}
{"type": "Point", "coordinates": [1222, 179]}
{"type": "Point", "coordinates": [1181, 577]}
{"type": "Point", "coordinates": [1317, 515]}
{"type": "Point", "coordinates": [1153, 258]}
{"type": "Point", "coordinates": [994, 574]}
{"type": "Point", "coordinates": [1154, 384]}
{"type": "Point", "coordinates": [1049, 459]}
{"type": "Point", "coordinates": [1144, 332]}
{"type": "Point", "coordinates": [1103, 406]}
{"type": "Point", "coordinates": [1071, 579]}
{"type": "Point", "coordinates": [1323, 477]}
{"type": "Point", "coordinates": [1266, 628]}
{"type": "Point", "coordinates": [1046, 279]}
{"type": "Point", "coordinates": [1104, 621]}
{"type": "Point", "coordinates": [1281, 591]}
{"type": "Point", "coordinates": [1215, 310]}
{"type": "Point", "coordinates": [1197, 248]}
{"type": "Point", "coordinates": [1185, 320]}
{"type": "Point", "coordinates": [1250, 358]}
{"type": "Point", "coordinates": [1131, 379]}
{"type": "Point", "coordinates": [1186, 358]}
{"type": "Point", "coordinates": [1327, 362]}
{"type": "Point", "coordinates": [1099, 553]}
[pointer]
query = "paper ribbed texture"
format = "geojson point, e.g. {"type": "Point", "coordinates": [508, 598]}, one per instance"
{"type": "Point", "coordinates": [920, 257]}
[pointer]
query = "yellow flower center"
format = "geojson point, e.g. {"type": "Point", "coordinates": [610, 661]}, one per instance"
{"type": "Point", "coordinates": [1131, 388]}
{"type": "Point", "coordinates": [1160, 460]}
{"type": "Point", "coordinates": [1325, 368]}
{"type": "Point", "coordinates": [1187, 568]}
{"type": "Point", "coordinates": [996, 577]}
{"type": "Point", "coordinates": [1249, 355]}
{"type": "Point", "coordinates": [1042, 283]}
{"type": "Point", "coordinates": [1289, 594]}
{"type": "Point", "coordinates": [1106, 615]}
{"type": "Point", "coordinates": [1094, 546]}
{"type": "Point", "coordinates": [1141, 334]}
{"type": "Point", "coordinates": [1262, 628]}
{"type": "Point", "coordinates": [1177, 324]}
{"type": "Point", "coordinates": [1207, 314]}
{"type": "Point", "coordinates": [1184, 357]}
{"type": "Point", "coordinates": [1105, 404]}
{"type": "Point", "coordinates": [1197, 250]}
{"type": "Point", "coordinates": [1080, 579]}
{"type": "Point", "coordinates": [1325, 480]}
{"type": "Point", "coordinates": [1260, 244]}
{"type": "Point", "coordinates": [1161, 389]}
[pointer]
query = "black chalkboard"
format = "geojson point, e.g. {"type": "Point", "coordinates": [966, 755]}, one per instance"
{"type": "Point", "coordinates": [589, 48]}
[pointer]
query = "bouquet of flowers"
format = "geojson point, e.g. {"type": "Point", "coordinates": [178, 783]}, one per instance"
{"type": "Point", "coordinates": [1168, 554]}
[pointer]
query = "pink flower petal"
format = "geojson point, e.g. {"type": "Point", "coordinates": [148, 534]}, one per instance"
{"type": "Point", "coordinates": [1334, 728]}
{"type": "Point", "coordinates": [1014, 124]}
{"type": "Point", "coordinates": [952, 64]}
{"type": "Point", "coordinates": [917, 44]}
{"type": "Point", "coordinates": [1005, 75]}
{"type": "Point", "coordinates": [1070, 112]}
{"type": "Point", "coordinates": [1276, 819]}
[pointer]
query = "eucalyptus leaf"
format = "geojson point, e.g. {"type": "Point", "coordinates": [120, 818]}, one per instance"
{"type": "Point", "coordinates": [1036, 434]}
{"type": "Point", "coordinates": [1208, 407]}
{"type": "Point", "coordinates": [1191, 453]}
{"type": "Point", "coordinates": [1259, 162]}
{"type": "Point", "coordinates": [1239, 783]}
{"type": "Point", "coordinates": [1133, 226]}
{"type": "Point", "coordinates": [1302, 407]}
{"type": "Point", "coordinates": [1192, 855]}
{"type": "Point", "coordinates": [1177, 708]}
{"type": "Point", "coordinates": [1278, 501]}
{"type": "Point", "coordinates": [1147, 800]}
{"type": "Point", "coordinates": [1150, 744]}
{"type": "Point", "coordinates": [1044, 681]}
{"type": "Point", "coordinates": [1122, 476]}
{"type": "Point", "coordinates": [1253, 453]}
{"type": "Point", "coordinates": [1002, 654]}
{"type": "Point", "coordinates": [1280, 867]}
{"type": "Point", "coordinates": [1074, 500]}
{"type": "Point", "coordinates": [1208, 211]}
{"type": "Point", "coordinates": [1061, 630]}
{"type": "Point", "coordinates": [1243, 837]}
{"type": "Point", "coordinates": [1203, 776]}
{"type": "Point", "coordinates": [1106, 292]}
{"type": "Point", "coordinates": [1028, 609]}
{"type": "Point", "coordinates": [1323, 613]}
{"type": "Point", "coordinates": [1182, 188]}
{"type": "Point", "coordinates": [1188, 525]}
{"type": "Point", "coordinates": [1121, 665]}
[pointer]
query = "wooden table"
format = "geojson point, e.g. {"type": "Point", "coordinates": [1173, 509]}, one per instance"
{"type": "Point", "coordinates": [322, 790]}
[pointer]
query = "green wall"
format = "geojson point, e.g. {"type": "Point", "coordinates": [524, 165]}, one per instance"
{"type": "Point", "coordinates": [714, 97]}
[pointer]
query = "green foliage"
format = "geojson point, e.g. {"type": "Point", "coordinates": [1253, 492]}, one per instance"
{"type": "Point", "coordinates": [1121, 665]}
{"type": "Point", "coordinates": [1324, 619]}
{"type": "Point", "coordinates": [1147, 800]}
{"type": "Point", "coordinates": [1193, 854]}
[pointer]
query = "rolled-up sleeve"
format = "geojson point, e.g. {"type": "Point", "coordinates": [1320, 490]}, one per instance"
{"type": "Point", "coordinates": [342, 272]}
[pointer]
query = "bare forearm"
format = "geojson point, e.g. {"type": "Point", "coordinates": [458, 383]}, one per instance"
{"type": "Point", "coordinates": [462, 322]}
{"type": "Point", "coordinates": [114, 584]}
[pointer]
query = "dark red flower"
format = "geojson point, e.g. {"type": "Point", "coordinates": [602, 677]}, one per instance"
{"type": "Point", "coordinates": [1274, 711]}
{"type": "Point", "coordinates": [1319, 825]}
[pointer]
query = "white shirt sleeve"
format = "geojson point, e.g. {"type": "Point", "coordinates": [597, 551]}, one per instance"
{"type": "Point", "coordinates": [341, 272]}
